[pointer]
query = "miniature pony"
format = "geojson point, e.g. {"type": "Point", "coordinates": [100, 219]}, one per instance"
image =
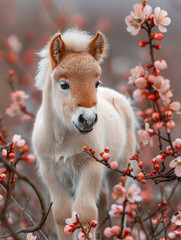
{"type": "Point", "coordinates": [76, 112]}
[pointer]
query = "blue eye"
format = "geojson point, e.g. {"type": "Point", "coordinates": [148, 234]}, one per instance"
{"type": "Point", "coordinates": [63, 85]}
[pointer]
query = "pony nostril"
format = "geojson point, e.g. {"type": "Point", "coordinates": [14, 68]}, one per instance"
{"type": "Point", "coordinates": [82, 119]}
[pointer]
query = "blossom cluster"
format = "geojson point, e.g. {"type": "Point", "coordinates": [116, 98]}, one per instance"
{"type": "Point", "coordinates": [142, 14]}
{"type": "Point", "coordinates": [74, 223]}
{"type": "Point", "coordinates": [126, 205]}
{"type": "Point", "coordinates": [151, 84]}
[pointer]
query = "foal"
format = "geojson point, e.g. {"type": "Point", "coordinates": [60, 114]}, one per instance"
{"type": "Point", "coordinates": [76, 112]}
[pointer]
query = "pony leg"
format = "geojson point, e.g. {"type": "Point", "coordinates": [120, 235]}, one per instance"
{"type": "Point", "coordinates": [87, 193]}
{"type": "Point", "coordinates": [62, 201]}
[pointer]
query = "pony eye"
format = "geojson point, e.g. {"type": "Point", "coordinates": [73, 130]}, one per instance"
{"type": "Point", "coordinates": [97, 83]}
{"type": "Point", "coordinates": [64, 85]}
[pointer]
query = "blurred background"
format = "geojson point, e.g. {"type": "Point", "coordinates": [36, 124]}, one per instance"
{"type": "Point", "coordinates": [26, 26]}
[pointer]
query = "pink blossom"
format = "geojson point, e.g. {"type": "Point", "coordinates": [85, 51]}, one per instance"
{"type": "Point", "coordinates": [30, 158]}
{"type": "Point", "coordinates": [30, 236]}
{"type": "Point", "coordinates": [159, 125]}
{"type": "Point", "coordinates": [119, 193]}
{"type": "Point", "coordinates": [163, 87]}
{"type": "Point", "coordinates": [13, 109]}
{"type": "Point", "coordinates": [136, 72]}
{"type": "Point", "coordinates": [175, 106]}
{"type": "Point", "coordinates": [140, 176]}
{"type": "Point", "coordinates": [133, 26]}
{"type": "Point", "coordinates": [19, 96]}
{"type": "Point", "coordinates": [130, 209]}
{"type": "Point", "coordinates": [174, 234]}
{"type": "Point", "coordinates": [176, 218]}
{"type": "Point", "coordinates": [146, 135]}
{"type": "Point", "coordinates": [161, 19]}
{"type": "Point", "coordinates": [133, 192]}
{"type": "Point", "coordinates": [140, 95]}
{"type": "Point", "coordinates": [116, 210]}
{"type": "Point", "coordinates": [14, 43]}
{"type": "Point", "coordinates": [113, 165]}
{"type": "Point", "coordinates": [137, 18]}
{"type": "Point", "coordinates": [81, 236]}
{"type": "Point", "coordinates": [176, 163]}
{"type": "Point", "coordinates": [4, 153]}
{"type": "Point", "coordinates": [177, 143]}
{"type": "Point", "coordinates": [73, 220]}
{"type": "Point", "coordinates": [160, 157]}
{"type": "Point", "coordinates": [160, 64]}
{"type": "Point", "coordinates": [141, 83]}
{"type": "Point", "coordinates": [170, 125]}
{"type": "Point", "coordinates": [18, 141]}
{"type": "Point", "coordinates": [110, 232]}
{"type": "Point", "coordinates": [69, 229]}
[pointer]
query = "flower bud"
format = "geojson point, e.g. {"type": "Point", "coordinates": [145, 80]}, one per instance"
{"type": "Point", "coordinates": [168, 114]}
{"type": "Point", "coordinates": [94, 223]}
{"type": "Point", "coordinates": [11, 73]}
{"type": "Point", "coordinates": [156, 116]}
{"type": "Point", "coordinates": [105, 157]}
{"type": "Point", "coordinates": [154, 161]}
{"type": "Point", "coordinates": [152, 97]}
{"type": "Point", "coordinates": [157, 46]}
{"type": "Point", "coordinates": [106, 149]}
{"type": "Point", "coordinates": [85, 148]}
{"type": "Point", "coordinates": [4, 153]}
{"type": "Point", "coordinates": [158, 36]}
{"type": "Point", "coordinates": [140, 164]}
{"type": "Point", "coordinates": [141, 83]}
{"type": "Point", "coordinates": [170, 124]}
{"type": "Point", "coordinates": [158, 125]}
{"type": "Point", "coordinates": [140, 176]}
{"type": "Point", "coordinates": [160, 64]}
{"type": "Point", "coordinates": [113, 165]}
{"type": "Point", "coordinates": [143, 43]}
{"type": "Point", "coordinates": [148, 66]}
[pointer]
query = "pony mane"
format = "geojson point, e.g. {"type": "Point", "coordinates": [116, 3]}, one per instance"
{"type": "Point", "coordinates": [75, 40]}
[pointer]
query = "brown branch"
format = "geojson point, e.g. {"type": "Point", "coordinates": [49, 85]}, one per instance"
{"type": "Point", "coordinates": [40, 198]}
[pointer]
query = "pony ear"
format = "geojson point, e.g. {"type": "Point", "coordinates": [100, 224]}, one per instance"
{"type": "Point", "coordinates": [57, 49]}
{"type": "Point", "coordinates": [97, 46]}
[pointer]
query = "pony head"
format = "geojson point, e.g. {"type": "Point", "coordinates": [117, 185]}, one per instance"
{"type": "Point", "coordinates": [74, 70]}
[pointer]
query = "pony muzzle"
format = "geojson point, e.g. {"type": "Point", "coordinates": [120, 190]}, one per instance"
{"type": "Point", "coordinates": [84, 119]}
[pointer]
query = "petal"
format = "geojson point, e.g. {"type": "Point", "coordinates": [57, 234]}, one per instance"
{"type": "Point", "coordinates": [166, 21]}
{"type": "Point", "coordinates": [156, 11]}
{"type": "Point", "coordinates": [173, 163]}
{"type": "Point", "coordinates": [147, 11]}
{"type": "Point", "coordinates": [137, 198]}
{"type": "Point", "coordinates": [163, 13]}
{"type": "Point", "coordinates": [178, 171]}
{"type": "Point", "coordinates": [69, 221]}
{"type": "Point", "coordinates": [162, 28]}
{"type": "Point", "coordinates": [74, 215]}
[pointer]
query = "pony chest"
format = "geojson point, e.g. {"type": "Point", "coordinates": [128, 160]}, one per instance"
{"type": "Point", "coordinates": [68, 171]}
